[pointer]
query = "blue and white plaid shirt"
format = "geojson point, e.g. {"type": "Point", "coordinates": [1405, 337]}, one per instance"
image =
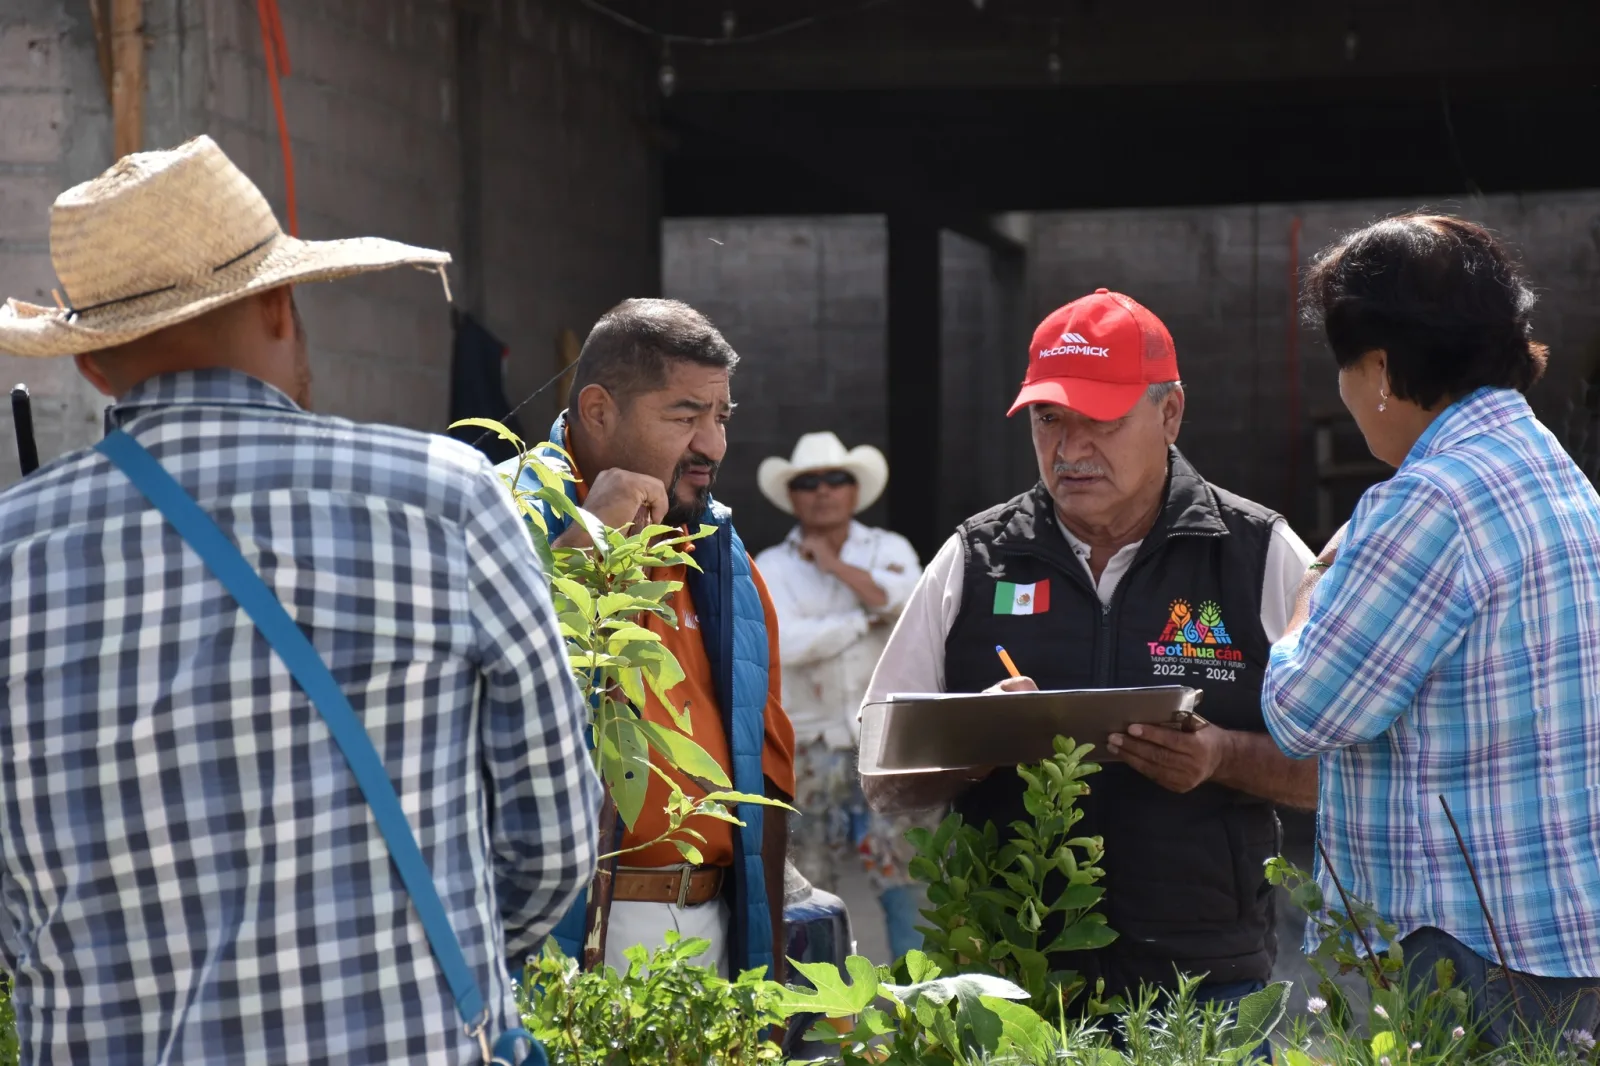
{"type": "Point", "coordinates": [188, 871]}
{"type": "Point", "coordinates": [1453, 649]}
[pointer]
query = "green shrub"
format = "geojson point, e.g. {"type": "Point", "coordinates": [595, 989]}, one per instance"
{"type": "Point", "coordinates": [992, 902]}
{"type": "Point", "coordinates": [664, 1011]}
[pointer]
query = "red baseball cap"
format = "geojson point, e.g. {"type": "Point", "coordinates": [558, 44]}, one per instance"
{"type": "Point", "coordinates": [1097, 355]}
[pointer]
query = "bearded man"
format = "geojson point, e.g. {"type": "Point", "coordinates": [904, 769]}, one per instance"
{"type": "Point", "coordinates": [645, 434]}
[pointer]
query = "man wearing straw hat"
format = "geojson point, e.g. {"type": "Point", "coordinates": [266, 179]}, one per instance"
{"type": "Point", "coordinates": [188, 868]}
{"type": "Point", "coordinates": [838, 586]}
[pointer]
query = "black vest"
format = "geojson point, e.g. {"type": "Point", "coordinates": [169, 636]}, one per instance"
{"type": "Point", "coordinates": [1184, 884]}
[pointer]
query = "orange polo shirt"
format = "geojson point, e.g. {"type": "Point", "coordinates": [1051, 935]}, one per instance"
{"type": "Point", "coordinates": [698, 691]}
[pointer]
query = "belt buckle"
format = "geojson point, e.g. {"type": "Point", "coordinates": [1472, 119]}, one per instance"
{"type": "Point", "coordinates": [684, 876]}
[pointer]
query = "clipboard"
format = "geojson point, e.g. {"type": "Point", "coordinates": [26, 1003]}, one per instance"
{"type": "Point", "coordinates": [931, 732]}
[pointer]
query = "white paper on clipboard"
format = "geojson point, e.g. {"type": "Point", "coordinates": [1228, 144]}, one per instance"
{"type": "Point", "coordinates": [926, 732]}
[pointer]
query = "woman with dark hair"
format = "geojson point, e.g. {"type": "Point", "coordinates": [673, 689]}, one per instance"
{"type": "Point", "coordinates": [1446, 648]}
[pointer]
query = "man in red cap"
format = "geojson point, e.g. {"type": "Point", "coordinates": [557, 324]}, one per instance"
{"type": "Point", "coordinates": [1124, 568]}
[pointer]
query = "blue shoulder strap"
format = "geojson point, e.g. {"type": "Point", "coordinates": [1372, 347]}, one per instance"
{"type": "Point", "coordinates": [236, 575]}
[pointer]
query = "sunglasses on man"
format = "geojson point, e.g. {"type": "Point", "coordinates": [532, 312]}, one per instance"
{"type": "Point", "coordinates": [837, 479]}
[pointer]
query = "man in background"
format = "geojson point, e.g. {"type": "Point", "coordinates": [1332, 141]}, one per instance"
{"type": "Point", "coordinates": [838, 587]}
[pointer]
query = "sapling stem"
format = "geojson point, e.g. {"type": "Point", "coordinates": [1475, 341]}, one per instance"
{"type": "Point", "coordinates": [1511, 982]}
{"type": "Point", "coordinates": [1377, 967]}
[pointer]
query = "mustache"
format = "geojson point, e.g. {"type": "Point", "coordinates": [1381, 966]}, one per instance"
{"type": "Point", "coordinates": [695, 464]}
{"type": "Point", "coordinates": [1083, 469]}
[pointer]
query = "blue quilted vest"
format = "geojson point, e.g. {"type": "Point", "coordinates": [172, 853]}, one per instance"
{"type": "Point", "coordinates": [733, 625]}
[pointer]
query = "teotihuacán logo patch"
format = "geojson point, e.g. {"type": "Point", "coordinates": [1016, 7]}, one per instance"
{"type": "Point", "coordinates": [1195, 643]}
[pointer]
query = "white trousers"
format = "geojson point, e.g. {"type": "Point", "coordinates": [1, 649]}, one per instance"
{"type": "Point", "coordinates": [647, 923]}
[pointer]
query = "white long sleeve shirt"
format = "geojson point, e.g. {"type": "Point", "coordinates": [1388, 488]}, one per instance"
{"type": "Point", "coordinates": [828, 642]}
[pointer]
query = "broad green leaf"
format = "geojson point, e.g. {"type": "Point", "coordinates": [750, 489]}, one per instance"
{"type": "Point", "coordinates": [981, 1021]}
{"type": "Point", "coordinates": [541, 547]}
{"type": "Point", "coordinates": [1383, 1044]}
{"type": "Point", "coordinates": [625, 765]}
{"type": "Point", "coordinates": [1086, 934]}
{"type": "Point", "coordinates": [612, 602]}
{"type": "Point", "coordinates": [664, 677]}
{"type": "Point", "coordinates": [684, 754]}
{"type": "Point", "coordinates": [1308, 897]}
{"type": "Point", "coordinates": [745, 797]}
{"type": "Point", "coordinates": [629, 634]}
{"type": "Point", "coordinates": [831, 994]}
{"type": "Point", "coordinates": [717, 811]}
{"type": "Point", "coordinates": [1257, 1015]}
{"type": "Point", "coordinates": [654, 591]}
{"type": "Point", "coordinates": [1078, 897]}
{"type": "Point", "coordinates": [576, 594]}
{"type": "Point", "coordinates": [595, 528]}
{"type": "Point", "coordinates": [651, 532]}
{"type": "Point", "coordinates": [872, 1022]}
{"type": "Point", "coordinates": [1022, 1030]}
{"type": "Point", "coordinates": [594, 660]}
{"type": "Point", "coordinates": [550, 479]}
{"type": "Point", "coordinates": [631, 681]}
{"type": "Point", "coordinates": [690, 853]}
{"type": "Point", "coordinates": [919, 967]}
{"type": "Point", "coordinates": [680, 717]}
{"type": "Point", "coordinates": [489, 424]}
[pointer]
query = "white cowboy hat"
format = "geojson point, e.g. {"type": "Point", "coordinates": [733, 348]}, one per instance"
{"type": "Point", "coordinates": [163, 237]}
{"type": "Point", "coordinates": [823, 451]}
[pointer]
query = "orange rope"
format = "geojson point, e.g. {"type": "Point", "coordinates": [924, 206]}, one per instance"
{"type": "Point", "coordinates": [275, 49]}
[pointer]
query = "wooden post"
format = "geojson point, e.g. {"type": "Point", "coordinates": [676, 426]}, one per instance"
{"type": "Point", "coordinates": [127, 75]}
{"type": "Point", "coordinates": [99, 14]}
{"type": "Point", "coordinates": [597, 915]}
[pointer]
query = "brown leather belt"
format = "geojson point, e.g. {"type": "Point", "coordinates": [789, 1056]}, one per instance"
{"type": "Point", "coordinates": [687, 886]}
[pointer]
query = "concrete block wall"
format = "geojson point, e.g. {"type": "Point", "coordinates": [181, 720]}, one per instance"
{"type": "Point", "coordinates": [370, 111]}
{"type": "Point", "coordinates": [803, 300]}
{"type": "Point", "coordinates": [804, 303]}
{"type": "Point", "coordinates": [986, 457]}
{"type": "Point", "coordinates": [55, 130]}
{"type": "Point", "coordinates": [545, 192]}
{"type": "Point", "coordinates": [567, 193]}
{"type": "Point", "coordinates": [1220, 279]}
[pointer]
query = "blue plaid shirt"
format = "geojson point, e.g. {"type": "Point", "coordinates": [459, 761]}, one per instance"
{"type": "Point", "coordinates": [188, 872]}
{"type": "Point", "coordinates": [1454, 649]}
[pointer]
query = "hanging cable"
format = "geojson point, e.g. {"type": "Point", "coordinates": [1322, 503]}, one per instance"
{"type": "Point", "coordinates": [748, 38]}
{"type": "Point", "coordinates": [275, 49]}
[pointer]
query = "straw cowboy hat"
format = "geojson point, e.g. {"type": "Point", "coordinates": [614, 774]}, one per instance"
{"type": "Point", "coordinates": [163, 237]}
{"type": "Point", "coordinates": [823, 451]}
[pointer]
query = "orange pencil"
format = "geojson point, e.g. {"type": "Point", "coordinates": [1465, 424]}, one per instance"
{"type": "Point", "coordinates": [1005, 660]}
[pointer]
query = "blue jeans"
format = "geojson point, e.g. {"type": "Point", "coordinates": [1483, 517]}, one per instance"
{"type": "Point", "coordinates": [1228, 994]}
{"type": "Point", "coordinates": [1550, 1006]}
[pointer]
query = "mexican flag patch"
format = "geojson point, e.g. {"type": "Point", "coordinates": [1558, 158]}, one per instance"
{"type": "Point", "coordinates": [1011, 598]}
